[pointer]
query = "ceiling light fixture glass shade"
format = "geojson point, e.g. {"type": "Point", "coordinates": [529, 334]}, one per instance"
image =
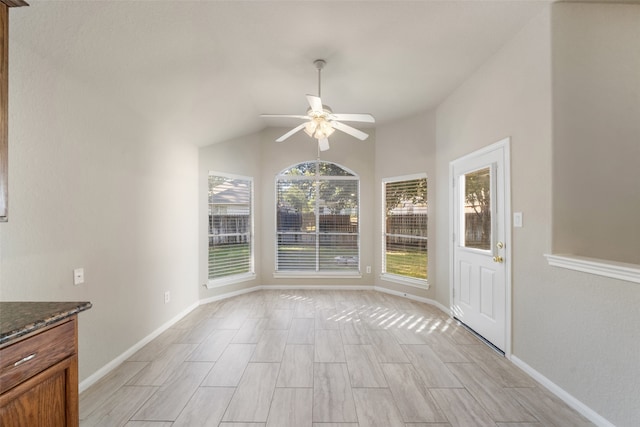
{"type": "Point", "coordinates": [310, 127]}
{"type": "Point", "coordinates": [319, 128]}
{"type": "Point", "coordinates": [326, 129]}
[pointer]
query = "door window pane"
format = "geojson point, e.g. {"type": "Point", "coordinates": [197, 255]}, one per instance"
{"type": "Point", "coordinates": [477, 209]}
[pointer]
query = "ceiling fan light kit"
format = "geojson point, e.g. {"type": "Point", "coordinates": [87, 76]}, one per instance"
{"type": "Point", "coordinates": [321, 122]}
{"type": "Point", "coordinates": [319, 128]}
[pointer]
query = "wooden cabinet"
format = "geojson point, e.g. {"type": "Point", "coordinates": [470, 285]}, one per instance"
{"type": "Point", "coordinates": [39, 378]}
{"type": "Point", "coordinates": [4, 101]}
{"type": "Point", "coordinates": [4, 92]}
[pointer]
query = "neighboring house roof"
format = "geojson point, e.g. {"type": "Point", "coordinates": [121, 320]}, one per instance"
{"type": "Point", "coordinates": [230, 194]}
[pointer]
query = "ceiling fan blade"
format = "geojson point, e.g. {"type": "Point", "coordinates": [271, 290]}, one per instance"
{"type": "Point", "coordinates": [291, 132]}
{"type": "Point", "coordinates": [367, 118]}
{"type": "Point", "coordinates": [323, 144]}
{"type": "Point", "coordinates": [315, 103]}
{"type": "Point", "coordinates": [350, 130]}
{"type": "Point", "coordinates": [289, 116]}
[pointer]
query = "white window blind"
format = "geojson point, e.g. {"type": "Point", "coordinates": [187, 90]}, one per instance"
{"type": "Point", "coordinates": [317, 219]}
{"type": "Point", "coordinates": [405, 227]}
{"type": "Point", "coordinates": [230, 226]}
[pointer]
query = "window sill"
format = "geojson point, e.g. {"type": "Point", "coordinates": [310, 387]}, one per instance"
{"type": "Point", "coordinates": [230, 280]}
{"type": "Point", "coordinates": [317, 275]}
{"type": "Point", "coordinates": [407, 281]}
{"type": "Point", "coordinates": [599, 267]}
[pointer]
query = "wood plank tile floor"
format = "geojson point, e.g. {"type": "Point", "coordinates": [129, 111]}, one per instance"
{"type": "Point", "coordinates": [314, 358]}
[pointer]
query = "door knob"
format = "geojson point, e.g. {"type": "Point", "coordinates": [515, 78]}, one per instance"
{"type": "Point", "coordinates": [498, 259]}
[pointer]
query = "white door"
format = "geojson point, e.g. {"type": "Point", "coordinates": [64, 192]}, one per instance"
{"type": "Point", "coordinates": [480, 255]}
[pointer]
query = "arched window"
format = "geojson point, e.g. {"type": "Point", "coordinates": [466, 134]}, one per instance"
{"type": "Point", "coordinates": [317, 215]}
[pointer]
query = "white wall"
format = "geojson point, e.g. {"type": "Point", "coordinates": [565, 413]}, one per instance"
{"type": "Point", "coordinates": [241, 156]}
{"type": "Point", "coordinates": [508, 96]}
{"type": "Point", "coordinates": [94, 185]}
{"type": "Point", "coordinates": [596, 116]}
{"type": "Point", "coordinates": [407, 147]}
{"type": "Point", "coordinates": [577, 330]}
{"type": "Point", "coordinates": [596, 200]}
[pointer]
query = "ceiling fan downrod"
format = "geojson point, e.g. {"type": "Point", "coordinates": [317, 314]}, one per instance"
{"type": "Point", "coordinates": [319, 63]}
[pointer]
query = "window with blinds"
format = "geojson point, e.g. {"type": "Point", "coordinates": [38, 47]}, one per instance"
{"type": "Point", "coordinates": [317, 219]}
{"type": "Point", "coordinates": [230, 228]}
{"type": "Point", "coordinates": [405, 237]}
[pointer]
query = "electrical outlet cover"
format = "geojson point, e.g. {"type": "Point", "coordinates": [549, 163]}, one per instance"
{"type": "Point", "coordinates": [78, 276]}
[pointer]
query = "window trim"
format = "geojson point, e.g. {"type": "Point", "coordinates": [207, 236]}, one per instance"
{"type": "Point", "coordinates": [247, 275]}
{"type": "Point", "coordinates": [384, 275]}
{"type": "Point", "coordinates": [306, 274]}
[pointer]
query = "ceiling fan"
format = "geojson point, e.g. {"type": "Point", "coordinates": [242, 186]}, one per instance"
{"type": "Point", "coordinates": [321, 122]}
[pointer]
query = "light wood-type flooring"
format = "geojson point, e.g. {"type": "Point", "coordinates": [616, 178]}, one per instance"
{"type": "Point", "coordinates": [313, 358]}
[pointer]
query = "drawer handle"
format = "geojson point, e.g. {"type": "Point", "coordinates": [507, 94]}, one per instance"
{"type": "Point", "coordinates": [25, 359]}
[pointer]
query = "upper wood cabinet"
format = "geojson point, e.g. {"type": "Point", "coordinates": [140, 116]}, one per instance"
{"type": "Point", "coordinates": [4, 100]}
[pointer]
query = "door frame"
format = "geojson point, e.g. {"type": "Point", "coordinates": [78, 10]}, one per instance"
{"type": "Point", "coordinates": [504, 146]}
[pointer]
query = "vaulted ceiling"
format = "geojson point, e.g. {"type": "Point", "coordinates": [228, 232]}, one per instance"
{"type": "Point", "coordinates": [206, 70]}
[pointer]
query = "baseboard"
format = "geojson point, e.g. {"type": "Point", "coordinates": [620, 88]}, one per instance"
{"type": "Point", "coordinates": [320, 287]}
{"type": "Point", "coordinates": [96, 376]}
{"type": "Point", "coordinates": [414, 298]}
{"type": "Point", "coordinates": [567, 398]}
{"type": "Point", "coordinates": [229, 295]}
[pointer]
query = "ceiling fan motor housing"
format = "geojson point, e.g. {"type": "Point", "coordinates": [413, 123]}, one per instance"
{"type": "Point", "coordinates": [326, 112]}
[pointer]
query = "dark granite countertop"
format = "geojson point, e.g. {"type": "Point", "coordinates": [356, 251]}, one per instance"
{"type": "Point", "coordinates": [21, 318]}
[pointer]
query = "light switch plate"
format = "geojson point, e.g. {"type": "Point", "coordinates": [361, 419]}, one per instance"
{"type": "Point", "coordinates": [517, 219]}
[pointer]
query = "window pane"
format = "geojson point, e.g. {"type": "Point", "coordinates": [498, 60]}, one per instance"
{"type": "Point", "coordinates": [477, 209]}
{"type": "Point", "coordinates": [338, 252]}
{"type": "Point", "coordinates": [409, 224]}
{"type": "Point", "coordinates": [229, 259]}
{"type": "Point", "coordinates": [230, 226]}
{"type": "Point", "coordinates": [338, 224]}
{"type": "Point", "coordinates": [403, 197]}
{"type": "Point", "coordinates": [296, 205]}
{"type": "Point", "coordinates": [331, 169]}
{"type": "Point", "coordinates": [406, 256]}
{"type": "Point", "coordinates": [229, 195]}
{"type": "Point", "coordinates": [317, 218]}
{"type": "Point", "coordinates": [302, 169]}
{"type": "Point", "coordinates": [297, 251]}
{"type": "Point", "coordinates": [338, 206]}
{"type": "Point", "coordinates": [405, 239]}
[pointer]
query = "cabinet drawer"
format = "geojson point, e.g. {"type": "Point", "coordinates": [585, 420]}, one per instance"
{"type": "Point", "coordinates": [32, 355]}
